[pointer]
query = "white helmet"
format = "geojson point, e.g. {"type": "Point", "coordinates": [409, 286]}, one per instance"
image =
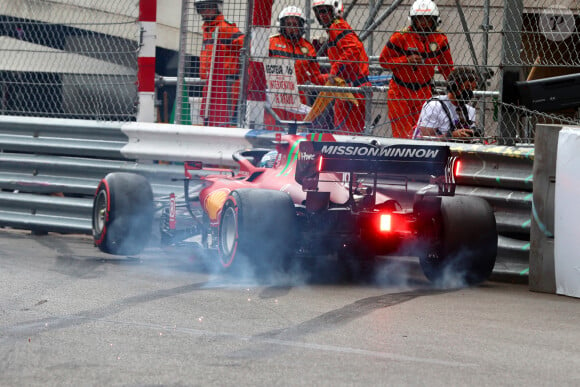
{"type": "Point", "coordinates": [291, 11]}
{"type": "Point", "coordinates": [337, 7]}
{"type": "Point", "coordinates": [425, 8]}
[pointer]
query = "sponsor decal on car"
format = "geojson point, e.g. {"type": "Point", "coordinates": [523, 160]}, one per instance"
{"type": "Point", "coordinates": [215, 201]}
{"type": "Point", "coordinates": [358, 150]}
{"type": "Point", "coordinates": [304, 156]}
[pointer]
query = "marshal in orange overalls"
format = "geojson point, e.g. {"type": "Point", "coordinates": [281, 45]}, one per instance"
{"type": "Point", "coordinates": [410, 85]}
{"type": "Point", "coordinates": [222, 88]}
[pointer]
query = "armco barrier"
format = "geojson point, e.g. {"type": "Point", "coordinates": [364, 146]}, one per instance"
{"type": "Point", "coordinates": [51, 167]}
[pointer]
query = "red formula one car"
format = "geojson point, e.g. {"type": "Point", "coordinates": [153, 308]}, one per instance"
{"type": "Point", "coordinates": [318, 197]}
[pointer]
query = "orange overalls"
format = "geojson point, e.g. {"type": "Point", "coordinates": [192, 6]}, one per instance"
{"type": "Point", "coordinates": [350, 62]}
{"type": "Point", "coordinates": [306, 67]}
{"type": "Point", "coordinates": [410, 85]}
{"type": "Point", "coordinates": [222, 88]}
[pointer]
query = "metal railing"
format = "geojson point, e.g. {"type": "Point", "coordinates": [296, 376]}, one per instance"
{"type": "Point", "coordinates": [51, 168]}
{"type": "Point", "coordinates": [374, 98]}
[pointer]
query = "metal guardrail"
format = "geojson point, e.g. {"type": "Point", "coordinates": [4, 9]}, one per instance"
{"type": "Point", "coordinates": [51, 168]}
{"type": "Point", "coordinates": [502, 175]}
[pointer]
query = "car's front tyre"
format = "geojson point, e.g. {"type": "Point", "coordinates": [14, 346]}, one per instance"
{"type": "Point", "coordinates": [122, 213]}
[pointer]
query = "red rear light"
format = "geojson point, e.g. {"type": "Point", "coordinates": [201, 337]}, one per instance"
{"type": "Point", "coordinates": [456, 168]}
{"type": "Point", "coordinates": [320, 160]}
{"type": "Point", "coordinates": [388, 222]}
{"type": "Point", "coordinates": [385, 223]}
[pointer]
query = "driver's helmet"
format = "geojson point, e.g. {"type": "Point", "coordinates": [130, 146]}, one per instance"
{"type": "Point", "coordinates": [268, 160]}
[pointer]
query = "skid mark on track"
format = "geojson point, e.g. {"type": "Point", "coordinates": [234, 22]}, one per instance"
{"type": "Point", "coordinates": [266, 344]}
{"type": "Point", "coordinates": [262, 341]}
{"type": "Point", "coordinates": [331, 320]}
{"type": "Point", "coordinates": [349, 313]}
{"type": "Point", "coordinates": [56, 244]}
{"type": "Point", "coordinates": [69, 264]}
{"type": "Point", "coordinates": [31, 328]}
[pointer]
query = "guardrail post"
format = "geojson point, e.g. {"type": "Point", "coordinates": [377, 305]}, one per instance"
{"type": "Point", "coordinates": [542, 275]}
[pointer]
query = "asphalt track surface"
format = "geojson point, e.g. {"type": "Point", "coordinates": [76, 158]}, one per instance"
{"type": "Point", "coordinates": [72, 316]}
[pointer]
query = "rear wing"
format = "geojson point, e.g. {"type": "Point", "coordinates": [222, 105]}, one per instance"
{"type": "Point", "coordinates": [431, 162]}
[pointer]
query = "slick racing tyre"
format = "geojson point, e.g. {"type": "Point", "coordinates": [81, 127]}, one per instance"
{"type": "Point", "coordinates": [462, 241]}
{"type": "Point", "coordinates": [122, 213]}
{"type": "Point", "coordinates": [257, 228]}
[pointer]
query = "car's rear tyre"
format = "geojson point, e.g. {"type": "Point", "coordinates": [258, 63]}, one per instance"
{"type": "Point", "coordinates": [122, 213]}
{"type": "Point", "coordinates": [462, 241]}
{"type": "Point", "coordinates": [257, 228]}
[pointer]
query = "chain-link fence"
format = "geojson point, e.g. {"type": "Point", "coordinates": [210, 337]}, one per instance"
{"type": "Point", "coordinates": [61, 60]}
{"type": "Point", "coordinates": [506, 41]}
{"type": "Point", "coordinates": [66, 61]}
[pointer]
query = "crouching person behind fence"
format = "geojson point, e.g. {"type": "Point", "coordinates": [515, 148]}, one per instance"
{"type": "Point", "coordinates": [450, 115]}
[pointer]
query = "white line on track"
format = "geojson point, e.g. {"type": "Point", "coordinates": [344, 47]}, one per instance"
{"type": "Point", "coordinates": [294, 344]}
